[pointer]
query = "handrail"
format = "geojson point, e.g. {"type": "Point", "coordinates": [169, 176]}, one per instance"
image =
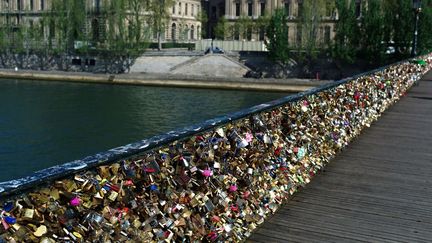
{"type": "Point", "coordinates": [60, 171]}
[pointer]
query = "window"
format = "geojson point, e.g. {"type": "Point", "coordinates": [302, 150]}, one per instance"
{"type": "Point", "coordinates": [237, 9]}
{"type": "Point", "coordinates": [263, 8]}
{"type": "Point", "coordinates": [42, 4]}
{"type": "Point", "coordinates": [192, 33]}
{"type": "Point", "coordinates": [186, 9]}
{"type": "Point", "coordinates": [261, 33]}
{"type": "Point", "coordinates": [173, 10]}
{"type": "Point", "coordinates": [287, 6]}
{"type": "Point", "coordinates": [327, 30]}
{"type": "Point", "coordinates": [221, 10]}
{"type": "Point", "coordinates": [179, 9]}
{"type": "Point", "coordinates": [249, 9]}
{"type": "Point", "coordinates": [31, 4]}
{"type": "Point", "coordinates": [213, 12]}
{"type": "Point", "coordinates": [300, 9]}
{"type": "Point", "coordinates": [173, 31]}
{"type": "Point", "coordinates": [98, 6]}
{"type": "Point", "coordinates": [358, 8]}
{"type": "Point", "coordinates": [18, 4]}
{"type": "Point", "coordinates": [95, 28]}
{"type": "Point", "coordinates": [193, 10]}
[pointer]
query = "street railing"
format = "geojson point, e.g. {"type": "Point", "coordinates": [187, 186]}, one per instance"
{"type": "Point", "coordinates": [214, 181]}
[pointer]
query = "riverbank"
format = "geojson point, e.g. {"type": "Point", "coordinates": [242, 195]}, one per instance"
{"type": "Point", "coordinates": [184, 81]}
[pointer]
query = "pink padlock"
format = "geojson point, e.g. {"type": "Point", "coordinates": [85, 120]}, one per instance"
{"type": "Point", "coordinates": [75, 201]}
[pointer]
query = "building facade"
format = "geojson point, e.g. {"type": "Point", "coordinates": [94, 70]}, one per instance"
{"type": "Point", "coordinates": [235, 10]}
{"type": "Point", "coordinates": [184, 24]}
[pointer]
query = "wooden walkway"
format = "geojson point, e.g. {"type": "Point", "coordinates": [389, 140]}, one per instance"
{"type": "Point", "coordinates": [378, 190]}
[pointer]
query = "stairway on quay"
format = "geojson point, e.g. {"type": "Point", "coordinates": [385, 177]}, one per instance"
{"type": "Point", "coordinates": [379, 189]}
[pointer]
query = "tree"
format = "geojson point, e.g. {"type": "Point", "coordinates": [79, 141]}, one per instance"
{"type": "Point", "coordinates": [203, 18]}
{"type": "Point", "coordinates": [347, 32]}
{"type": "Point", "coordinates": [398, 23]}
{"type": "Point", "coordinates": [67, 22]}
{"type": "Point", "coordinates": [137, 31]}
{"type": "Point", "coordinates": [221, 28]}
{"type": "Point", "coordinates": [244, 26]}
{"type": "Point", "coordinates": [159, 16]}
{"type": "Point", "coordinates": [183, 30]}
{"type": "Point", "coordinates": [425, 28]}
{"type": "Point", "coordinates": [260, 25]}
{"type": "Point", "coordinates": [312, 13]}
{"type": "Point", "coordinates": [277, 34]}
{"type": "Point", "coordinates": [372, 32]}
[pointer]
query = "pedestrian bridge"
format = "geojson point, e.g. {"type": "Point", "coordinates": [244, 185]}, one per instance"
{"type": "Point", "coordinates": [377, 190]}
{"type": "Point", "coordinates": [262, 174]}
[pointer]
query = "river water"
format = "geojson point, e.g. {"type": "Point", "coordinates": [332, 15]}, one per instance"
{"type": "Point", "coordinates": [47, 123]}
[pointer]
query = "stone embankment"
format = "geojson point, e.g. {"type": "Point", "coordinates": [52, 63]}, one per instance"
{"type": "Point", "coordinates": [210, 65]}
{"type": "Point", "coordinates": [167, 80]}
{"type": "Point", "coordinates": [216, 183]}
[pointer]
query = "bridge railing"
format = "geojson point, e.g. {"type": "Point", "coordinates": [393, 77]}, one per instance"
{"type": "Point", "coordinates": [216, 181]}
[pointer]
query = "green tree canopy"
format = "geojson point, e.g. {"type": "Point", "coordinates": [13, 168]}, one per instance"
{"type": "Point", "coordinates": [398, 25]}
{"type": "Point", "coordinates": [347, 32]}
{"type": "Point", "coordinates": [312, 13]}
{"type": "Point", "coordinates": [277, 34]}
{"type": "Point", "coordinates": [221, 28]}
{"type": "Point", "coordinates": [372, 32]}
{"type": "Point", "coordinates": [425, 28]}
{"type": "Point", "coordinates": [159, 15]}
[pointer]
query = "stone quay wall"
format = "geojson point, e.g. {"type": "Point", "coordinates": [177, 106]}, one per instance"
{"type": "Point", "coordinates": [70, 63]}
{"type": "Point", "coordinates": [213, 182]}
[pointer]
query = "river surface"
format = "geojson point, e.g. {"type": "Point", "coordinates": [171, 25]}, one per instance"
{"type": "Point", "coordinates": [48, 123]}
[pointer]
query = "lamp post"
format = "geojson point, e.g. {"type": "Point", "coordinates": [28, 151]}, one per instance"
{"type": "Point", "coordinates": [417, 9]}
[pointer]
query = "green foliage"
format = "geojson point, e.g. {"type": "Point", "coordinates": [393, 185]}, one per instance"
{"type": "Point", "coordinates": [277, 35]}
{"type": "Point", "coordinates": [116, 38]}
{"type": "Point", "coordinates": [261, 23]}
{"type": "Point", "coordinates": [67, 18]}
{"type": "Point", "coordinates": [183, 30]}
{"type": "Point", "coordinates": [398, 25]}
{"type": "Point", "coordinates": [425, 28]}
{"type": "Point", "coordinates": [158, 16]}
{"type": "Point", "coordinates": [244, 26]}
{"type": "Point", "coordinates": [372, 32]}
{"type": "Point", "coordinates": [203, 18]}
{"type": "Point", "coordinates": [347, 32]}
{"type": "Point", "coordinates": [221, 28]}
{"type": "Point", "coordinates": [313, 12]}
{"type": "Point", "coordinates": [125, 35]}
{"type": "Point", "coordinates": [137, 33]}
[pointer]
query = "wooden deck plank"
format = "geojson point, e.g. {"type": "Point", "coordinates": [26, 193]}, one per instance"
{"type": "Point", "coordinates": [379, 189]}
